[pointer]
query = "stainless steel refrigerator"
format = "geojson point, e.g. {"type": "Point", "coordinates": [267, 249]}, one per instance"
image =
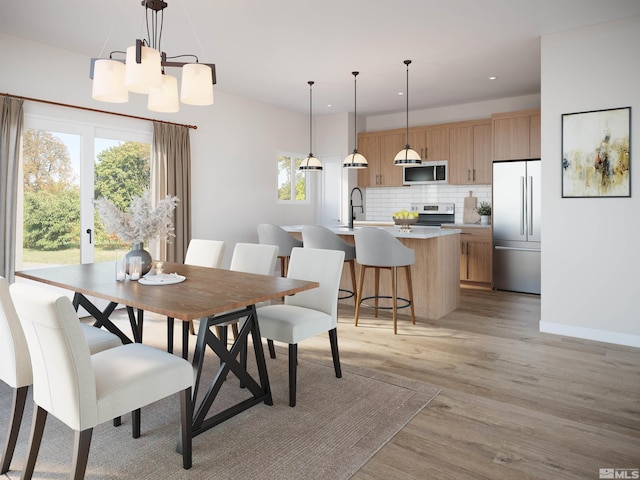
{"type": "Point", "coordinates": [516, 226]}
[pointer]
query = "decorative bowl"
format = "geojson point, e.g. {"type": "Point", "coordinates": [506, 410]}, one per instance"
{"type": "Point", "coordinates": [404, 223]}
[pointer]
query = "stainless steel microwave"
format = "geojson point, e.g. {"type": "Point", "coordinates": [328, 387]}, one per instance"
{"type": "Point", "coordinates": [426, 173]}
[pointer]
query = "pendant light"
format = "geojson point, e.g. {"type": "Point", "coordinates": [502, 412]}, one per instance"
{"type": "Point", "coordinates": [355, 159]}
{"type": "Point", "coordinates": [406, 156]}
{"type": "Point", "coordinates": [311, 163]}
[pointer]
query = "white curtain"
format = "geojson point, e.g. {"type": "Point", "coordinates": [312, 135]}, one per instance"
{"type": "Point", "coordinates": [171, 175]}
{"type": "Point", "coordinates": [11, 124]}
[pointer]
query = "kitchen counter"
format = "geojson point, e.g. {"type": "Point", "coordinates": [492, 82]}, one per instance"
{"type": "Point", "coordinates": [418, 232]}
{"type": "Point", "coordinates": [435, 275]}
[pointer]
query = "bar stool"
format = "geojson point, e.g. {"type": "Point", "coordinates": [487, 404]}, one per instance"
{"type": "Point", "coordinates": [378, 249]}
{"type": "Point", "coordinates": [269, 234]}
{"type": "Point", "coordinates": [316, 236]}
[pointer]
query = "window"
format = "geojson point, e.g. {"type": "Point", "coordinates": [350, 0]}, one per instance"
{"type": "Point", "coordinates": [292, 183]}
{"type": "Point", "coordinates": [66, 165]}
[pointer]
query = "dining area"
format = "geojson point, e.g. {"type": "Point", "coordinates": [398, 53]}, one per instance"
{"type": "Point", "coordinates": [217, 298]}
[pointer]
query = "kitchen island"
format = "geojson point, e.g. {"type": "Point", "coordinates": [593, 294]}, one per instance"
{"type": "Point", "coordinates": [435, 275]}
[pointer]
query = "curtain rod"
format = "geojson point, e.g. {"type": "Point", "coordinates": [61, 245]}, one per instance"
{"type": "Point", "coordinates": [195, 127]}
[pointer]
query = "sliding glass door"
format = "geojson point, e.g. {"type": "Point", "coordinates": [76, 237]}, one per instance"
{"type": "Point", "coordinates": [65, 166]}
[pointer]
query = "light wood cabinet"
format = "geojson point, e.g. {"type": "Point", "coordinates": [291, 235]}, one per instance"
{"type": "Point", "coordinates": [380, 150]}
{"type": "Point", "coordinates": [476, 266]}
{"type": "Point", "coordinates": [516, 135]}
{"type": "Point", "coordinates": [470, 154]}
{"type": "Point", "coordinates": [482, 158]}
{"type": "Point", "coordinates": [432, 143]}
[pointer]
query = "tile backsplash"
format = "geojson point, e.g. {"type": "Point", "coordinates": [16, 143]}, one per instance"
{"type": "Point", "coordinates": [380, 202]}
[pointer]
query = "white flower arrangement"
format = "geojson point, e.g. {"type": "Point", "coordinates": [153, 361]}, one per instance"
{"type": "Point", "coordinates": [141, 223]}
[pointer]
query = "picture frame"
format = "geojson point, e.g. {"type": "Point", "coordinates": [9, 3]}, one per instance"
{"type": "Point", "coordinates": [596, 153]}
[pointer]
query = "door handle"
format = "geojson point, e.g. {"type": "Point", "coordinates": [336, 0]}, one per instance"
{"type": "Point", "coordinates": [522, 205]}
{"type": "Point", "coordinates": [530, 206]}
{"type": "Point", "coordinates": [89, 231]}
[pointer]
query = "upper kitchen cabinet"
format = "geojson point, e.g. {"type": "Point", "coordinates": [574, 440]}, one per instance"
{"type": "Point", "coordinates": [432, 143]}
{"type": "Point", "coordinates": [380, 148]}
{"type": "Point", "coordinates": [516, 135]}
{"type": "Point", "coordinates": [470, 153]}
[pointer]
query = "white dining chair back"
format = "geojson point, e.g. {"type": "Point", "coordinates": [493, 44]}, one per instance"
{"type": "Point", "coordinates": [200, 253]}
{"type": "Point", "coordinates": [15, 363]}
{"type": "Point", "coordinates": [205, 253]}
{"type": "Point", "coordinates": [84, 390]}
{"type": "Point", "coordinates": [254, 258]}
{"type": "Point", "coordinates": [249, 258]}
{"type": "Point", "coordinates": [307, 313]}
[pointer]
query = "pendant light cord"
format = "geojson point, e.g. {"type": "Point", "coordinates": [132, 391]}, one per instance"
{"type": "Point", "coordinates": [310, 117]}
{"type": "Point", "coordinates": [407, 63]}
{"type": "Point", "coordinates": [355, 112]}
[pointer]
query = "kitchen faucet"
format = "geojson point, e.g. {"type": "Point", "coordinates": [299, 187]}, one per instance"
{"type": "Point", "coordinates": [352, 215]}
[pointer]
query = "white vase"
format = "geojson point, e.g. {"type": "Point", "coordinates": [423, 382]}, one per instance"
{"type": "Point", "coordinates": [484, 219]}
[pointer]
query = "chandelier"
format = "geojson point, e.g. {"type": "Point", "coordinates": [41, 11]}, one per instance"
{"type": "Point", "coordinates": [143, 71]}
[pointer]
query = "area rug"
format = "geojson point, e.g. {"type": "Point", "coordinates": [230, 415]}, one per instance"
{"type": "Point", "coordinates": [336, 426]}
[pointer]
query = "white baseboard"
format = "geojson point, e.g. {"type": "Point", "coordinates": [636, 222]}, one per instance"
{"type": "Point", "coordinates": [627, 339]}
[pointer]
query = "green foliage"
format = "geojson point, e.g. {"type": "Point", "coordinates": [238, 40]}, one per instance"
{"type": "Point", "coordinates": [46, 162]}
{"type": "Point", "coordinates": [484, 208]}
{"type": "Point", "coordinates": [52, 219]}
{"type": "Point", "coordinates": [122, 172]}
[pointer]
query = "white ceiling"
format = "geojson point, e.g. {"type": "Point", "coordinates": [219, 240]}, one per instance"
{"type": "Point", "coordinates": [269, 50]}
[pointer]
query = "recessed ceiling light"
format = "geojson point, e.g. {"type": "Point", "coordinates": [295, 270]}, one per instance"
{"type": "Point", "coordinates": [400, 93]}
{"type": "Point", "coordinates": [329, 106]}
{"type": "Point", "coordinates": [492, 78]}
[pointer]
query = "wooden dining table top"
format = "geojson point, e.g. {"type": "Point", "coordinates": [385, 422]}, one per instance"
{"type": "Point", "coordinates": [204, 292]}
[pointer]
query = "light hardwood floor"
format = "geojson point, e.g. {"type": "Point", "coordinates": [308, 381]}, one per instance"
{"type": "Point", "coordinates": [515, 403]}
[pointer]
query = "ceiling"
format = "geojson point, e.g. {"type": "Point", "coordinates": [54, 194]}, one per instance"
{"type": "Point", "coordinates": [269, 50]}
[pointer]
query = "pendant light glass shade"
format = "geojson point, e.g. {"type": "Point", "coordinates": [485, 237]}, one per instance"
{"type": "Point", "coordinates": [407, 157]}
{"type": "Point", "coordinates": [311, 163]}
{"type": "Point", "coordinates": [166, 100]}
{"type": "Point", "coordinates": [355, 159]}
{"type": "Point", "coordinates": [143, 77]}
{"type": "Point", "coordinates": [197, 84]}
{"type": "Point", "coordinates": [108, 82]}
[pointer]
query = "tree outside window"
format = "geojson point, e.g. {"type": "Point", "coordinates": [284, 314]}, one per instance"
{"type": "Point", "coordinates": [292, 183]}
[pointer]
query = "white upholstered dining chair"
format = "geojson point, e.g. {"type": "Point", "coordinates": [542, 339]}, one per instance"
{"type": "Point", "coordinates": [309, 313]}
{"type": "Point", "coordinates": [201, 253]}
{"type": "Point", "coordinates": [83, 390]}
{"type": "Point", "coordinates": [249, 258]}
{"type": "Point", "coordinates": [15, 364]}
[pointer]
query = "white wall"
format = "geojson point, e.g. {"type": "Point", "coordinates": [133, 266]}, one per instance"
{"type": "Point", "coordinates": [590, 254]}
{"type": "Point", "coordinates": [233, 149]}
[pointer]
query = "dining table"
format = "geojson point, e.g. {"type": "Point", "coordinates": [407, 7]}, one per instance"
{"type": "Point", "coordinates": [214, 296]}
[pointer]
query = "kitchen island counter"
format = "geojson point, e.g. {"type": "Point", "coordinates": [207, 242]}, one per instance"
{"type": "Point", "coordinates": [435, 275]}
{"type": "Point", "coordinates": [418, 232]}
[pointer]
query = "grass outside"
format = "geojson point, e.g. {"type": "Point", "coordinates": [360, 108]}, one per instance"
{"type": "Point", "coordinates": [31, 258]}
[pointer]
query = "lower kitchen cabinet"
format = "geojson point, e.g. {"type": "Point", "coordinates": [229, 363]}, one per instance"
{"type": "Point", "coordinates": [476, 266]}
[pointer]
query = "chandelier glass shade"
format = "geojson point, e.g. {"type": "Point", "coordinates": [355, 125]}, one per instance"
{"type": "Point", "coordinates": [311, 163]}
{"type": "Point", "coordinates": [355, 160]}
{"type": "Point", "coordinates": [143, 71]}
{"type": "Point", "coordinates": [407, 156]}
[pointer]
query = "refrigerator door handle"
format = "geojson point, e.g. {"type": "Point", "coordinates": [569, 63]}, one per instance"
{"type": "Point", "coordinates": [519, 249]}
{"type": "Point", "coordinates": [530, 206]}
{"type": "Point", "coordinates": [522, 204]}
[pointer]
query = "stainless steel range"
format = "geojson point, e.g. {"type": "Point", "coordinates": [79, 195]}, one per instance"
{"type": "Point", "coordinates": [434, 214]}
